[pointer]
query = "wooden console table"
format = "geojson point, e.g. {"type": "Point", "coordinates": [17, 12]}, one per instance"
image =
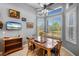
{"type": "Point", "coordinates": [12, 44]}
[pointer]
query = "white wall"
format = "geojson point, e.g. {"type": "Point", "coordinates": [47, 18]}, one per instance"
{"type": "Point", "coordinates": [26, 11]}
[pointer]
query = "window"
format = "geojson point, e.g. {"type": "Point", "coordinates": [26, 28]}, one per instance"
{"type": "Point", "coordinates": [40, 25]}
{"type": "Point", "coordinates": [54, 26]}
{"type": "Point", "coordinates": [55, 11]}
{"type": "Point", "coordinates": [71, 25]}
{"type": "Point", "coordinates": [55, 22]}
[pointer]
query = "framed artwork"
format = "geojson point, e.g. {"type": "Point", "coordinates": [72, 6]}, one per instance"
{"type": "Point", "coordinates": [23, 19]}
{"type": "Point", "coordinates": [1, 24]}
{"type": "Point", "coordinates": [71, 25]}
{"type": "Point", "coordinates": [14, 14]}
{"type": "Point", "coordinates": [29, 24]}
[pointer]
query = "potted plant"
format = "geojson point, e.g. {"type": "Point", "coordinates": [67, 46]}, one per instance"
{"type": "Point", "coordinates": [42, 35]}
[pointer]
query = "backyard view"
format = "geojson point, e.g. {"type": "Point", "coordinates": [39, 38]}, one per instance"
{"type": "Point", "coordinates": [54, 26]}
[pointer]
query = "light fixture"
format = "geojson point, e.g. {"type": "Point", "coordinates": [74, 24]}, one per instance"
{"type": "Point", "coordinates": [43, 10]}
{"type": "Point", "coordinates": [44, 5]}
{"type": "Point", "coordinates": [41, 4]}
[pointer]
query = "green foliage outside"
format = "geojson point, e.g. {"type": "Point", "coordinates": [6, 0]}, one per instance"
{"type": "Point", "coordinates": [55, 27]}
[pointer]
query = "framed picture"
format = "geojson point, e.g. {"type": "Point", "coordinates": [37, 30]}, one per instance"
{"type": "Point", "coordinates": [29, 24]}
{"type": "Point", "coordinates": [23, 19]}
{"type": "Point", "coordinates": [14, 14]}
{"type": "Point", "coordinates": [1, 24]}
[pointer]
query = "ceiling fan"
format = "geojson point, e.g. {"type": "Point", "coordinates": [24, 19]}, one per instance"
{"type": "Point", "coordinates": [44, 7]}
{"type": "Point", "coordinates": [47, 5]}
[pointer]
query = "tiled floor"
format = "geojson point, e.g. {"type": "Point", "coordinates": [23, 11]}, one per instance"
{"type": "Point", "coordinates": [24, 52]}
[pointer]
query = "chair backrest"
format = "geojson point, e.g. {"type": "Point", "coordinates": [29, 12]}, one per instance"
{"type": "Point", "coordinates": [58, 46]}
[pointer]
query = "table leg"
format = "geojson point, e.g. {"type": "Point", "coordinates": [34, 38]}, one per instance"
{"type": "Point", "coordinates": [49, 52]}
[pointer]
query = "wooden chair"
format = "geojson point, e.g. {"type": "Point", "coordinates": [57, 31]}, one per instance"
{"type": "Point", "coordinates": [31, 47]}
{"type": "Point", "coordinates": [39, 51]}
{"type": "Point", "coordinates": [57, 48]}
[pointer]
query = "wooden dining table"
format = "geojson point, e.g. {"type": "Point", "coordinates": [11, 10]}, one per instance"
{"type": "Point", "coordinates": [48, 46]}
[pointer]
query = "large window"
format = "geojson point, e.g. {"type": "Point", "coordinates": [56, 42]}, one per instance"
{"type": "Point", "coordinates": [40, 25]}
{"type": "Point", "coordinates": [56, 11]}
{"type": "Point", "coordinates": [71, 25]}
{"type": "Point", "coordinates": [54, 26]}
{"type": "Point", "coordinates": [54, 20]}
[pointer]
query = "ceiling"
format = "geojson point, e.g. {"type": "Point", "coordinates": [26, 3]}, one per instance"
{"type": "Point", "coordinates": [34, 5]}
{"type": "Point", "coordinates": [37, 5]}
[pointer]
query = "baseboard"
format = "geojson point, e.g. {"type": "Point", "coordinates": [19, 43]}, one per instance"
{"type": "Point", "coordinates": [69, 51]}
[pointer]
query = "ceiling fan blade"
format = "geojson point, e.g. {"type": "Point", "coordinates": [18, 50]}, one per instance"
{"type": "Point", "coordinates": [50, 4]}
{"type": "Point", "coordinates": [45, 6]}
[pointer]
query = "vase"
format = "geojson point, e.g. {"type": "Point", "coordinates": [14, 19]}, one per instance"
{"type": "Point", "coordinates": [42, 39]}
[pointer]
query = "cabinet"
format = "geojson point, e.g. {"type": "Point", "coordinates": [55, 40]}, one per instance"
{"type": "Point", "coordinates": [12, 45]}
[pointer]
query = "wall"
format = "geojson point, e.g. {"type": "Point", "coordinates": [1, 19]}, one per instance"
{"type": "Point", "coordinates": [26, 11]}
{"type": "Point", "coordinates": [74, 48]}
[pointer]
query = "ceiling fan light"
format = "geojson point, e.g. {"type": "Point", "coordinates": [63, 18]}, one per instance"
{"type": "Point", "coordinates": [41, 5]}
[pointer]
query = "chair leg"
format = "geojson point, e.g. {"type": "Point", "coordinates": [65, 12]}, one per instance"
{"type": "Point", "coordinates": [58, 53]}
{"type": "Point", "coordinates": [43, 52]}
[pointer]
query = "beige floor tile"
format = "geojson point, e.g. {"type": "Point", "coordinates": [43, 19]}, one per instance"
{"type": "Point", "coordinates": [25, 49]}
